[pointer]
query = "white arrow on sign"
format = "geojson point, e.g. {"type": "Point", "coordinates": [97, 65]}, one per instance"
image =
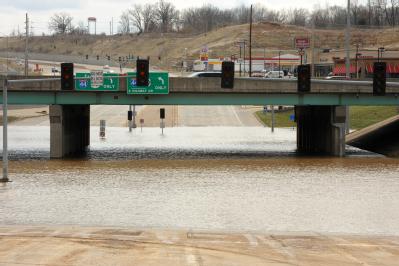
{"type": "Point", "coordinates": [161, 80]}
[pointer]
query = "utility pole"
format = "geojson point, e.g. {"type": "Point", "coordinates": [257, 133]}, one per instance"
{"type": "Point", "coordinates": [347, 40]}
{"type": "Point", "coordinates": [313, 50]}
{"type": "Point", "coordinates": [347, 47]}
{"type": "Point", "coordinates": [245, 68]}
{"type": "Point", "coordinates": [240, 58]}
{"type": "Point", "coordinates": [250, 43]}
{"type": "Point", "coordinates": [264, 58]}
{"type": "Point", "coordinates": [26, 45]}
{"type": "Point", "coordinates": [5, 179]}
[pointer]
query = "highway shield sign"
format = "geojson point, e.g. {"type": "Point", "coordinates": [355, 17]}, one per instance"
{"type": "Point", "coordinates": [96, 78]}
{"type": "Point", "coordinates": [158, 84]}
{"type": "Point", "coordinates": [108, 82]}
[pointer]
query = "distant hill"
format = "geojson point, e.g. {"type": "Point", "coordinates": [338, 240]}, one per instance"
{"type": "Point", "coordinates": [168, 49]}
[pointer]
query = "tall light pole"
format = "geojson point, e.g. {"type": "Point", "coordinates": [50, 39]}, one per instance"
{"type": "Point", "coordinates": [26, 45]}
{"type": "Point", "coordinates": [5, 179]}
{"type": "Point", "coordinates": [348, 60]}
{"type": "Point", "coordinates": [250, 44]}
{"type": "Point", "coordinates": [347, 40]}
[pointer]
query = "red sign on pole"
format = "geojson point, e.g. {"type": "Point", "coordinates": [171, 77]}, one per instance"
{"type": "Point", "coordinates": [302, 43]}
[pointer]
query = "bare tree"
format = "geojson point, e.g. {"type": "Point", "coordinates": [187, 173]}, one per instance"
{"type": "Point", "coordinates": [124, 23]}
{"type": "Point", "coordinates": [136, 16]}
{"type": "Point", "coordinates": [148, 14]}
{"type": "Point", "coordinates": [61, 23]}
{"type": "Point", "coordinates": [81, 29]}
{"type": "Point", "coordinates": [166, 15]}
{"type": "Point", "coordinates": [298, 16]}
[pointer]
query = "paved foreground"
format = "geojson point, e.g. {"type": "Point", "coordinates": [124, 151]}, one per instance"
{"type": "Point", "coordinates": [124, 246]}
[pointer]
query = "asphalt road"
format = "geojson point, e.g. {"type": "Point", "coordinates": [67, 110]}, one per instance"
{"type": "Point", "coordinates": [183, 116]}
{"type": "Point", "coordinates": [217, 116]}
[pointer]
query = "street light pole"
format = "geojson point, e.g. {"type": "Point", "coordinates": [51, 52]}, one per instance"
{"type": "Point", "coordinates": [240, 58]}
{"type": "Point", "coordinates": [5, 131]}
{"type": "Point", "coordinates": [279, 64]}
{"type": "Point", "coordinates": [348, 62]}
{"type": "Point", "coordinates": [347, 40]}
{"type": "Point", "coordinates": [245, 69]}
{"type": "Point", "coordinates": [250, 44]}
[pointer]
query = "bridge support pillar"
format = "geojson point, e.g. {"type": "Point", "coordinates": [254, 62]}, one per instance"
{"type": "Point", "coordinates": [321, 130]}
{"type": "Point", "coordinates": [69, 130]}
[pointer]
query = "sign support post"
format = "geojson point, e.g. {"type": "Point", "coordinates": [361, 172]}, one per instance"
{"type": "Point", "coordinates": [273, 120]}
{"type": "Point", "coordinates": [5, 131]}
{"type": "Point", "coordinates": [134, 117]}
{"type": "Point", "coordinates": [130, 122]}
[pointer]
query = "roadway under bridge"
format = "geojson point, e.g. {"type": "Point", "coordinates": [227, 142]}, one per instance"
{"type": "Point", "coordinates": [320, 114]}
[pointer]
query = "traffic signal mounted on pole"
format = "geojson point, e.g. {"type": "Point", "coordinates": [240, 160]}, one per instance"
{"type": "Point", "coordinates": [380, 78]}
{"type": "Point", "coordinates": [87, 57]}
{"type": "Point", "coordinates": [228, 75]}
{"type": "Point", "coordinates": [304, 83]}
{"type": "Point", "coordinates": [129, 115]}
{"type": "Point", "coordinates": [143, 68]}
{"type": "Point", "coordinates": [67, 80]}
{"type": "Point", "coordinates": [162, 113]}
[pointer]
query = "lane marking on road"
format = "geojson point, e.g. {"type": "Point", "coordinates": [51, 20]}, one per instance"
{"type": "Point", "coordinates": [252, 240]}
{"type": "Point", "coordinates": [236, 115]}
{"type": "Point", "coordinates": [279, 247]}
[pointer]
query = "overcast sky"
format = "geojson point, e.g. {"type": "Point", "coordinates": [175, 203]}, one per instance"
{"type": "Point", "coordinates": [12, 12]}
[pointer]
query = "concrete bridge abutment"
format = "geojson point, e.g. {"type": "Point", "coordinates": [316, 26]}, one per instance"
{"type": "Point", "coordinates": [321, 130]}
{"type": "Point", "coordinates": [69, 130]}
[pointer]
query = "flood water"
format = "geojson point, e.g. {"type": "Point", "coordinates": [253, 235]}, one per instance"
{"type": "Point", "coordinates": [234, 179]}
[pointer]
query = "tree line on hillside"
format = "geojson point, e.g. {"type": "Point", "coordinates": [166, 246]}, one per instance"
{"type": "Point", "coordinates": [164, 17]}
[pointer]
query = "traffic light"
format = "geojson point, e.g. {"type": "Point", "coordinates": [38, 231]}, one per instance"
{"type": "Point", "coordinates": [228, 75]}
{"type": "Point", "coordinates": [67, 81]}
{"type": "Point", "coordinates": [162, 113]}
{"type": "Point", "coordinates": [380, 78]}
{"type": "Point", "coordinates": [130, 115]}
{"type": "Point", "coordinates": [304, 84]}
{"type": "Point", "coordinates": [109, 58]}
{"type": "Point", "coordinates": [98, 57]}
{"type": "Point", "coordinates": [142, 68]}
{"type": "Point", "coordinates": [87, 57]}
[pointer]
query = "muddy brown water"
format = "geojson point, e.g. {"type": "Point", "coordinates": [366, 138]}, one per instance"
{"type": "Point", "coordinates": [233, 179]}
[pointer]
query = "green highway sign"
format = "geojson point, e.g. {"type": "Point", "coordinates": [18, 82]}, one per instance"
{"type": "Point", "coordinates": [159, 84]}
{"type": "Point", "coordinates": [96, 81]}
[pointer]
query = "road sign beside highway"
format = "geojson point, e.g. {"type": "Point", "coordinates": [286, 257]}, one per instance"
{"type": "Point", "coordinates": [158, 84]}
{"type": "Point", "coordinates": [84, 82]}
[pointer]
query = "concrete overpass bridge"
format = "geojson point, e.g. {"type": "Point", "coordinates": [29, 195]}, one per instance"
{"type": "Point", "coordinates": [320, 114]}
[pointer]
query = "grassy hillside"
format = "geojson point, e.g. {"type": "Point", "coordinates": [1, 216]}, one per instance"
{"type": "Point", "coordinates": [221, 42]}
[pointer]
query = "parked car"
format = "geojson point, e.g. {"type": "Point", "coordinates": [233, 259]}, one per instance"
{"type": "Point", "coordinates": [54, 70]}
{"type": "Point", "coordinates": [206, 75]}
{"type": "Point", "coordinates": [335, 78]}
{"type": "Point", "coordinates": [274, 74]}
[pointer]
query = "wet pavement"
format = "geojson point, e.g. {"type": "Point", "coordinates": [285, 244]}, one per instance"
{"type": "Point", "coordinates": [128, 246]}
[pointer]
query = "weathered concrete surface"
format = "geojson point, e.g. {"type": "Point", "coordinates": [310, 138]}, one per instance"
{"type": "Point", "coordinates": [321, 129]}
{"type": "Point", "coordinates": [381, 138]}
{"type": "Point", "coordinates": [242, 85]}
{"type": "Point", "coordinates": [69, 130]}
{"type": "Point", "coordinates": [127, 246]}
